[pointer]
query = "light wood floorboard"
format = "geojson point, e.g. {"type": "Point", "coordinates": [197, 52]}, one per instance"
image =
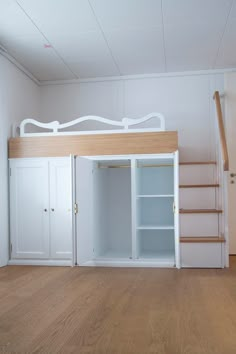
{"type": "Point", "coordinates": [117, 310]}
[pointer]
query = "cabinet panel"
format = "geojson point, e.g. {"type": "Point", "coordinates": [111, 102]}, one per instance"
{"type": "Point", "coordinates": [201, 255]}
{"type": "Point", "coordinates": [29, 199]}
{"type": "Point", "coordinates": [86, 222]}
{"type": "Point", "coordinates": [60, 208]}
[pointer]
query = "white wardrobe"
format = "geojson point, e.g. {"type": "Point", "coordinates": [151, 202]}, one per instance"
{"type": "Point", "coordinates": [41, 211]}
{"type": "Point", "coordinates": [128, 210]}
{"type": "Point", "coordinates": [97, 210]}
{"type": "Point", "coordinates": [113, 202]}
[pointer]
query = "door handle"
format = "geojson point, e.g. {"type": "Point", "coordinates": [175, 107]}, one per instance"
{"type": "Point", "coordinates": [52, 209]}
{"type": "Point", "coordinates": [232, 174]}
{"type": "Point", "coordinates": [45, 210]}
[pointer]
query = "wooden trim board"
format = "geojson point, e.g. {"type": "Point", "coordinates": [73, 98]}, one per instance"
{"type": "Point", "coordinates": [199, 185]}
{"type": "Point", "coordinates": [201, 239]}
{"type": "Point", "coordinates": [92, 145]}
{"type": "Point", "coordinates": [186, 163]}
{"type": "Point", "coordinates": [200, 211]}
{"type": "Point", "coordinates": [221, 127]}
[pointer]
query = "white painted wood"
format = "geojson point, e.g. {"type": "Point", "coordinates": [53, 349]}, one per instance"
{"type": "Point", "coordinates": [138, 14]}
{"type": "Point", "coordinates": [155, 196]}
{"type": "Point", "coordinates": [176, 209]}
{"type": "Point", "coordinates": [197, 198]}
{"type": "Point", "coordinates": [137, 43]}
{"type": "Point", "coordinates": [61, 229]}
{"type": "Point", "coordinates": [230, 111]}
{"type": "Point", "coordinates": [40, 262]}
{"type": "Point", "coordinates": [84, 199]}
{"type": "Point", "coordinates": [126, 124]}
{"type": "Point", "coordinates": [153, 227]}
{"type": "Point", "coordinates": [104, 38]}
{"type": "Point", "coordinates": [134, 193]}
{"type": "Point", "coordinates": [114, 238]}
{"type": "Point", "coordinates": [201, 255]}
{"type": "Point", "coordinates": [138, 263]}
{"type": "Point", "coordinates": [73, 207]}
{"type": "Point", "coordinates": [197, 174]}
{"type": "Point", "coordinates": [199, 225]}
{"type": "Point", "coordinates": [29, 208]}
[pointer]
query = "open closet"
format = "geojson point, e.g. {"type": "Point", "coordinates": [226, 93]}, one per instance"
{"type": "Point", "coordinates": [127, 215]}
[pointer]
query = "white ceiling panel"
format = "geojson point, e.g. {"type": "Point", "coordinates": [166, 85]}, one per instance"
{"type": "Point", "coordinates": [195, 11]}
{"type": "Point", "coordinates": [82, 46]}
{"type": "Point", "coordinates": [13, 21]}
{"type": "Point", "coordinates": [227, 54]}
{"type": "Point", "coordinates": [42, 62]}
{"type": "Point", "coordinates": [60, 17]}
{"type": "Point", "coordinates": [94, 67]}
{"type": "Point", "coordinates": [92, 38]}
{"type": "Point", "coordinates": [137, 51]}
{"type": "Point", "coordinates": [191, 47]}
{"type": "Point", "coordinates": [114, 14]}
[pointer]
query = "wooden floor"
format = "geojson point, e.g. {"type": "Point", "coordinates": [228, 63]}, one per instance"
{"type": "Point", "coordinates": [117, 310]}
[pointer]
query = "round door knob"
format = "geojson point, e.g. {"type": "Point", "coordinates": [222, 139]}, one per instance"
{"type": "Point", "coordinates": [52, 209]}
{"type": "Point", "coordinates": [232, 174]}
{"type": "Point", "coordinates": [231, 182]}
{"type": "Point", "coordinates": [45, 210]}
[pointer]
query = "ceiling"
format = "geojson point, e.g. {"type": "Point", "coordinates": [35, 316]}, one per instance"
{"type": "Point", "coordinates": [76, 39]}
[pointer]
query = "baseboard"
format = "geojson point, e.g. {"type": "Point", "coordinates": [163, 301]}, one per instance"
{"type": "Point", "coordinates": [40, 262]}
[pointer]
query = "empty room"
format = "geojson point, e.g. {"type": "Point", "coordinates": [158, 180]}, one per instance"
{"type": "Point", "coordinates": [118, 176]}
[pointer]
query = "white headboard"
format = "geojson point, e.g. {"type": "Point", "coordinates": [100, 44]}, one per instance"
{"type": "Point", "coordinates": [125, 124]}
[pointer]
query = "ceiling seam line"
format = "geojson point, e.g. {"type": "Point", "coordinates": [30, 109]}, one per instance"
{"type": "Point", "coordinates": [104, 37]}
{"type": "Point", "coordinates": [163, 36]}
{"type": "Point", "coordinates": [222, 36]}
{"type": "Point", "coordinates": [56, 52]}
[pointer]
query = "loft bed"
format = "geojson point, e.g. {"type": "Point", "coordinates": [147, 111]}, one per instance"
{"type": "Point", "coordinates": [125, 138]}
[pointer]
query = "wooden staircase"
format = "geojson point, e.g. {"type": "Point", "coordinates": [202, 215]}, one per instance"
{"type": "Point", "coordinates": [199, 211]}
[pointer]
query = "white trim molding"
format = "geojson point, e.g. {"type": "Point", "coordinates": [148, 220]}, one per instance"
{"type": "Point", "coordinates": [124, 124]}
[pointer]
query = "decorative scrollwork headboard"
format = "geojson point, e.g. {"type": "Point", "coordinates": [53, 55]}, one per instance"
{"type": "Point", "coordinates": [125, 124]}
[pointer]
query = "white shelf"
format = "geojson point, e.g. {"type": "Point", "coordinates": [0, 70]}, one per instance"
{"type": "Point", "coordinates": [155, 227]}
{"type": "Point", "coordinates": [113, 254]}
{"type": "Point", "coordinates": [155, 196]}
{"type": "Point", "coordinates": [160, 256]}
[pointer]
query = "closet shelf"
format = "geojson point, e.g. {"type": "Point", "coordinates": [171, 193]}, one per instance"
{"type": "Point", "coordinates": [155, 195]}
{"type": "Point", "coordinates": [161, 256]}
{"type": "Point", "coordinates": [155, 227]}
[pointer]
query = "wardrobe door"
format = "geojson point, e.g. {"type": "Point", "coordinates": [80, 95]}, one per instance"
{"type": "Point", "coordinates": [29, 208]}
{"type": "Point", "coordinates": [86, 225]}
{"type": "Point", "coordinates": [60, 208]}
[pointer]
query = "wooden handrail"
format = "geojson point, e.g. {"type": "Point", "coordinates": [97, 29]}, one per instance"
{"type": "Point", "coordinates": [221, 131]}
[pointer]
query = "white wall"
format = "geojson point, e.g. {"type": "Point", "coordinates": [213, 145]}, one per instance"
{"type": "Point", "coordinates": [19, 98]}
{"type": "Point", "coordinates": [230, 125]}
{"type": "Point", "coordinates": [186, 102]}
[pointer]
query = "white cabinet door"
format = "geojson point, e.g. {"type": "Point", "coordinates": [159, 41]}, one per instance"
{"type": "Point", "coordinates": [60, 208]}
{"type": "Point", "coordinates": [85, 219]}
{"type": "Point", "coordinates": [29, 212]}
{"type": "Point", "coordinates": [176, 208]}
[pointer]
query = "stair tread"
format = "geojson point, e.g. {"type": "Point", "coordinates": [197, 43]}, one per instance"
{"type": "Point", "coordinates": [210, 185]}
{"type": "Point", "coordinates": [199, 211]}
{"type": "Point", "coordinates": [197, 162]}
{"type": "Point", "coordinates": [202, 239]}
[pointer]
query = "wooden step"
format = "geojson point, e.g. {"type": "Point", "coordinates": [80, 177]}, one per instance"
{"type": "Point", "coordinates": [201, 239]}
{"type": "Point", "coordinates": [200, 211]}
{"type": "Point", "coordinates": [184, 163]}
{"type": "Point", "coordinates": [199, 185]}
